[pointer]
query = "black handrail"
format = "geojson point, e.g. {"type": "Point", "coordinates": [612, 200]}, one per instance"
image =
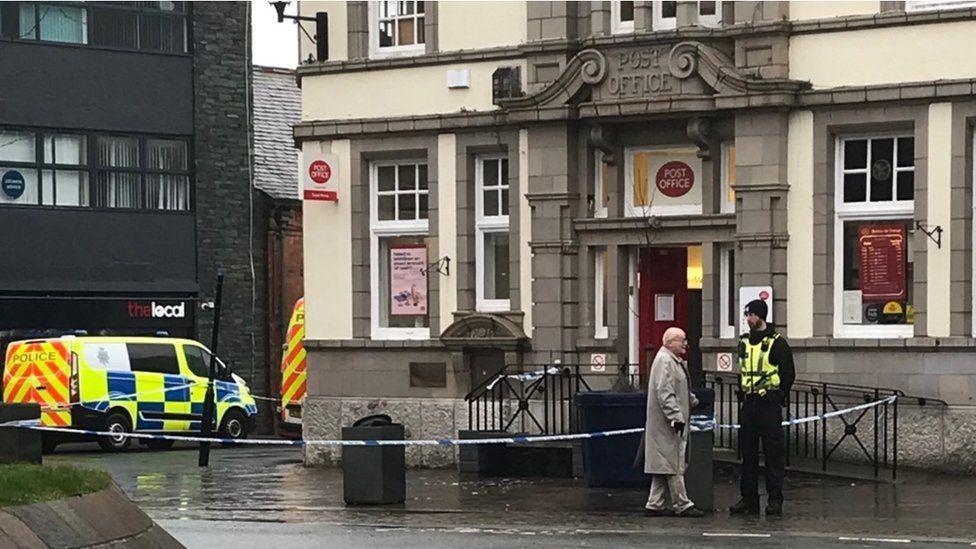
{"type": "Point", "coordinates": [544, 403]}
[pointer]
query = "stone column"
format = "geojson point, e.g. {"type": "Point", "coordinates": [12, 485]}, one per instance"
{"type": "Point", "coordinates": [687, 13]}
{"type": "Point", "coordinates": [761, 190]}
{"type": "Point", "coordinates": [618, 311]}
{"type": "Point", "coordinates": [600, 18]}
{"type": "Point", "coordinates": [643, 15]}
{"type": "Point", "coordinates": [553, 195]}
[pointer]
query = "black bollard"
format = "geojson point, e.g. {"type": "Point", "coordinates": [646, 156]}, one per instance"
{"type": "Point", "coordinates": [18, 445]}
{"type": "Point", "coordinates": [206, 424]}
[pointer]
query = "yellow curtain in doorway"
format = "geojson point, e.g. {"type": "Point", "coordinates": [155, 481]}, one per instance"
{"type": "Point", "coordinates": [641, 196]}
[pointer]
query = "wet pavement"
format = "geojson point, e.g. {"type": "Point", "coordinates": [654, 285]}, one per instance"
{"type": "Point", "coordinates": [266, 495]}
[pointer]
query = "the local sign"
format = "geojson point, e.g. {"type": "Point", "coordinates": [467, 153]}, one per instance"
{"type": "Point", "coordinates": [320, 175]}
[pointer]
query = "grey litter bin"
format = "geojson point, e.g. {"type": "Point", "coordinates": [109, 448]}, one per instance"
{"type": "Point", "coordinates": [373, 475]}
{"type": "Point", "coordinates": [18, 445]}
{"type": "Point", "coordinates": [699, 475]}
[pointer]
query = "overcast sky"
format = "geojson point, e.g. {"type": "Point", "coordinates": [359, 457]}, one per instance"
{"type": "Point", "coordinates": [274, 44]}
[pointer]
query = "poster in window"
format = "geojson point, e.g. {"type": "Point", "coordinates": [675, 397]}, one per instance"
{"type": "Point", "coordinates": [881, 254]}
{"type": "Point", "coordinates": [408, 280]}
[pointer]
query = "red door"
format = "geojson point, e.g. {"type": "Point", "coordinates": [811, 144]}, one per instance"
{"type": "Point", "coordinates": [662, 298]}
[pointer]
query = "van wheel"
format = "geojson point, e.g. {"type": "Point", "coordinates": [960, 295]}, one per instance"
{"type": "Point", "coordinates": [155, 444]}
{"type": "Point", "coordinates": [116, 422]}
{"type": "Point", "coordinates": [234, 426]}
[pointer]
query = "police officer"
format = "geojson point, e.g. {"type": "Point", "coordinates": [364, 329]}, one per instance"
{"type": "Point", "coordinates": [767, 373]}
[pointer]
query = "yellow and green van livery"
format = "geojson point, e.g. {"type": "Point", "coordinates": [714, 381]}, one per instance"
{"type": "Point", "coordinates": [137, 384]}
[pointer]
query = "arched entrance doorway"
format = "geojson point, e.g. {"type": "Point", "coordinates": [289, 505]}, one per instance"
{"type": "Point", "coordinates": [484, 344]}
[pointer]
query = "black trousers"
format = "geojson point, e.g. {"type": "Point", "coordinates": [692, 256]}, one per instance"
{"type": "Point", "coordinates": [760, 419]}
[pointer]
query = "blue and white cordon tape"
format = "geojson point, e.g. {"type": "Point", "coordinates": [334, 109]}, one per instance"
{"type": "Point", "coordinates": [698, 424]}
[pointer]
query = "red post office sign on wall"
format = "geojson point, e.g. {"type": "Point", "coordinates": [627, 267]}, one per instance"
{"type": "Point", "coordinates": [320, 175]}
{"type": "Point", "coordinates": [675, 178]}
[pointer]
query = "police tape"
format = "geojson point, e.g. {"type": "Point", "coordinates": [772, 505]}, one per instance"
{"type": "Point", "coordinates": [824, 416]}
{"type": "Point", "coordinates": [695, 426]}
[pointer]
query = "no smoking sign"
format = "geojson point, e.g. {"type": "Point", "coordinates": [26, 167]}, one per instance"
{"type": "Point", "coordinates": [723, 362]}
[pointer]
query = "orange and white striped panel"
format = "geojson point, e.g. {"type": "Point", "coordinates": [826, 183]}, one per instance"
{"type": "Point", "coordinates": [293, 362]}
{"type": "Point", "coordinates": [38, 371]}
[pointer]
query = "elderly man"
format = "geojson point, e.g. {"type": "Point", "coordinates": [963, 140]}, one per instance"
{"type": "Point", "coordinates": [669, 403]}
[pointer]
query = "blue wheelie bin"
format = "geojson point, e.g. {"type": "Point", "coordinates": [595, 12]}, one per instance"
{"type": "Point", "coordinates": [609, 461]}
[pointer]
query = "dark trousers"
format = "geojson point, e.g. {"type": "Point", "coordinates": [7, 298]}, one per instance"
{"type": "Point", "coordinates": [760, 419]}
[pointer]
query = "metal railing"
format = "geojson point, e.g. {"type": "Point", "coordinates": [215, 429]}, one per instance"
{"type": "Point", "coordinates": [538, 399]}
{"type": "Point", "coordinates": [871, 433]}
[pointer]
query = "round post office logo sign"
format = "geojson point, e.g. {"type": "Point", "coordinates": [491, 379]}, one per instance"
{"type": "Point", "coordinates": [320, 172]}
{"type": "Point", "coordinates": [675, 179]}
{"type": "Point", "coordinates": [13, 184]}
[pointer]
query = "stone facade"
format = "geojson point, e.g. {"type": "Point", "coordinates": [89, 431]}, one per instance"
{"type": "Point", "coordinates": [423, 419]}
{"type": "Point", "coordinates": [732, 93]}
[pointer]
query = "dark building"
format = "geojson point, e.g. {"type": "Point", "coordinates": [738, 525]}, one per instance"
{"type": "Point", "coordinates": [126, 170]}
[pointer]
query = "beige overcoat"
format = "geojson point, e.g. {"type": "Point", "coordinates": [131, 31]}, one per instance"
{"type": "Point", "coordinates": [668, 398]}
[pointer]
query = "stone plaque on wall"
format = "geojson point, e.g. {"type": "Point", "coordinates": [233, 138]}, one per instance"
{"type": "Point", "coordinates": [428, 374]}
{"type": "Point", "coordinates": [644, 72]}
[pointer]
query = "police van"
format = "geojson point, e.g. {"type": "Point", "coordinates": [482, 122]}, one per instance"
{"type": "Point", "coordinates": [293, 377]}
{"type": "Point", "coordinates": [122, 385]}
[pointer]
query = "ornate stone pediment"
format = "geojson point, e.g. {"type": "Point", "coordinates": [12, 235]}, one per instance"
{"type": "Point", "coordinates": [484, 330]}
{"type": "Point", "coordinates": [687, 69]}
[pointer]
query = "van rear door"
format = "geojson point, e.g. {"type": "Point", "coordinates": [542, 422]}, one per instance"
{"type": "Point", "coordinates": [39, 371]}
{"type": "Point", "coordinates": [293, 378]}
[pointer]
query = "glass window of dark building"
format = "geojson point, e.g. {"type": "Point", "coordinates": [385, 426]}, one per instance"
{"type": "Point", "coordinates": [148, 26]}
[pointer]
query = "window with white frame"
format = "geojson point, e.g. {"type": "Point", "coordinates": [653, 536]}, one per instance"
{"type": "Point", "coordinates": [727, 202]}
{"type": "Point", "coordinates": [935, 5]}
{"type": "Point", "coordinates": [873, 231]}
{"type": "Point", "coordinates": [492, 263]}
{"type": "Point", "coordinates": [664, 15]}
{"type": "Point", "coordinates": [728, 313]}
{"type": "Point", "coordinates": [398, 250]}
{"type": "Point", "coordinates": [601, 185]}
{"type": "Point", "coordinates": [397, 27]}
{"type": "Point", "coordinates": [709, 13]}
{"type": "Point", "coordinates": [622, 16]}
{"type": "Point", "coordinates": [600, 293]}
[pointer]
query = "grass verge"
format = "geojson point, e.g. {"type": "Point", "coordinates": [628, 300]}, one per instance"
{"type": "Point", "coordinates": [22, 484]}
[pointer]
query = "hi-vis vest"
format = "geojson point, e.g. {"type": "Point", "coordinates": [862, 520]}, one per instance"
{"type": "Point", "coordinates": [757, 374]}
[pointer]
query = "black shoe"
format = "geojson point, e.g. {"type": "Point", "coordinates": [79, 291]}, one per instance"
{"type": "Point", "coordinates": [691, 512]}
{"type": "Point", "coordinates": [744, 508]}
{"type": "Point", "coordinates": [774, 509]}
{"type": "Point", "coordinates": [658, 512]}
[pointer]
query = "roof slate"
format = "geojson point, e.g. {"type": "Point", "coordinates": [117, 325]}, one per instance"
{"type": "Point", "coordinates": [277, 107]}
